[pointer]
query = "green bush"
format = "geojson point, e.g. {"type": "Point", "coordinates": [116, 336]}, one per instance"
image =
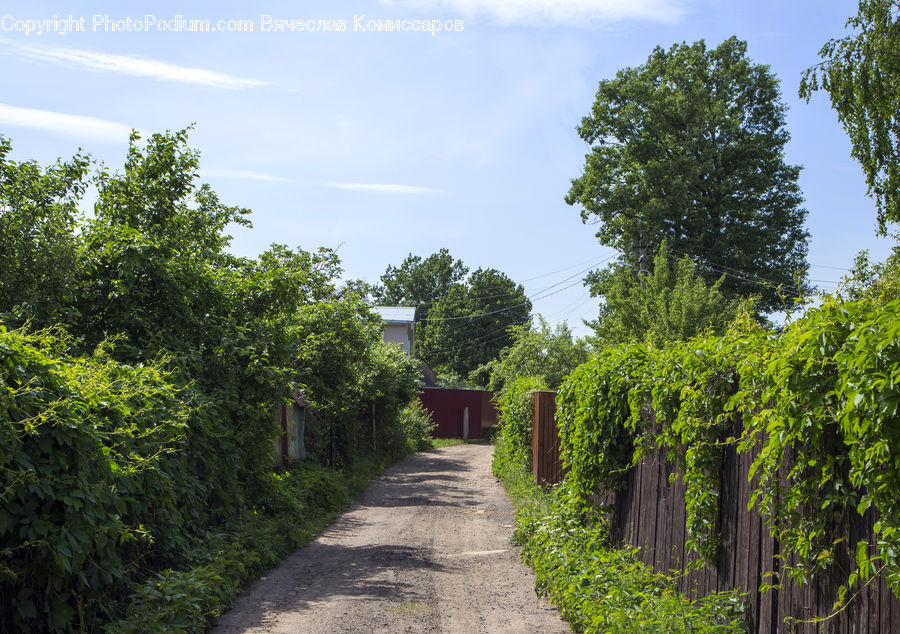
{"type": "Point", "coordinates": [90, 490]}
{"type": "Point", "coordinates": [596, 587]}
{"type": "Point", "coordinates": [416, 426]}
{"type": "Point", "coordinates": [818, 401]}
{"type": "Point", "coordinates": [516, 415]}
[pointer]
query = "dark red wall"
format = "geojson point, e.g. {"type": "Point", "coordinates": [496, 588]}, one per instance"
{"type": "Point", "coordinates": [447, 406]}
{"type": "Point", "coordinates": [488, 410]}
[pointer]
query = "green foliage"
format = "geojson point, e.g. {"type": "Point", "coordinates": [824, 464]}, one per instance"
{"type": "Point", "coordinates": [632, 399]}
{"type": "Point", "coordinates": [860, 73]}
{"type": "Point", "coordinates": [347, 369]}
{"type": "Point", "coordinates": [673, 304]}
{"type": "Point", "coordinates": [516, 415]}
{"type": "Point", "coordinates": [596, 587]}
{"type": "Point", "coordinates": [878, 281]}
{"type": "Point", "coordinates": [689, 387]}
{"type": "Point", "coordinates": [819, 401]}
{"type": "Point", "coordinates": [38, 257]}
{"type": "Point", "coordinates": [420, 283]}
{"type": "Point", "coordinates": [470, 324]}
{"type": "Point", "coordinates": [416, 426]}
{"type": "Point", "coordinates": [120, 458]}
{"type": "Point", "coordinates": [689, 147]}
{"type": "Point", "coordinates": [538, 352]}
{"type": "Point", "coordinates": [595, 419]}
{"type": "Point", "coordinates": [87, 476]}
{"type": "Point", "coordinates": [602, 589]}
{"type": "Point", "coordinates": [834, 388]}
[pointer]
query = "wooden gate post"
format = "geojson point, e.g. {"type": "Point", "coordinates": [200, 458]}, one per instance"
{"type": "Point", "coordinates": [545, 464]}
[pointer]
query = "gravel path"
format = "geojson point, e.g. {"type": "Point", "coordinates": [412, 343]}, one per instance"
{"type": "Point", "coordinates": [424, 549]}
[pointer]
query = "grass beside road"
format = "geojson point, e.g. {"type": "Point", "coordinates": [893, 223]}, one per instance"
{"type": "Point", "coordinates": [596, 586]}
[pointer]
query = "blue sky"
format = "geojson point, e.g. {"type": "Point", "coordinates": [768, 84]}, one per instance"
{"type": "Point", "coordinates": [389, 143]}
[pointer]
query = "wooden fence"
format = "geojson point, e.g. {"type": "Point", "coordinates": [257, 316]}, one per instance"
{"type": "Point", "coordinates": [545, 464]}
{"type": "Point", "coordinates": [650, 513]}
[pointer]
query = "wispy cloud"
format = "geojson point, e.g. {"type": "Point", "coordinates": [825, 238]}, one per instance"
{"type": "Point", "coordinates": [385, 188]}
{"type": "Point", "coordinates": [67, 124]}
{"type": "Point", "coordinates": [580, 13]}
{"type": "Point", "coordinates": [243, 175]}
{"type": "Point", "coordinates": [130, 65]}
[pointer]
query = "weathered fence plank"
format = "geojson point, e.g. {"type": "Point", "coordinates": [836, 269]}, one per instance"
{"type": "Point", "coordinates": [546, 465]}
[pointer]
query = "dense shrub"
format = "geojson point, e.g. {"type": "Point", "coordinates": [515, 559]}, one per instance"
{"type": "Point", "coordinates": [597, 587]}
{"type": "Point", "coordinates": [516, 415]}
{"type": "Point", "coordinates": [143, 451]}
{"type": "Point", "coordinates": [88, 485]}
{"type": "Point", "coordinates": [416, 426]}
{"type": "Point", "coordinates": [819, 400]}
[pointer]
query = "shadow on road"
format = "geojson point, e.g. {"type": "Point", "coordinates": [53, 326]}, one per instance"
{"type": "Point", "coordinates": [383, 552]}
{"type": "Point", "coordinates": [325, 571]}
{"type": "Point", "coordinates": [423, 479]}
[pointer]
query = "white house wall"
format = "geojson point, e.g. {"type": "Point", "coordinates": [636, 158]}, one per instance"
{"type": "Point", "coordinates": [397, 333]}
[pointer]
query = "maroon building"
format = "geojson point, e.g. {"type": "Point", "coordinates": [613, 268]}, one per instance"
{"type": "Point", "coordinates": [459, 413]}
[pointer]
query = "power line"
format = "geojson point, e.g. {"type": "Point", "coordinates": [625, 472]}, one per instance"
{"type": "Point", "coordinates": [744, 276]}
{"type": "Point", "coordinates": [578, 303]}
{"type": "Point", "coordinates": [564, 269]}
{"type": "Point", "coordinates": [595, 261]}
{"type": "Point", "coordinates": [531, 300]}
{"type": "Point", "coordinates": [825, 266]}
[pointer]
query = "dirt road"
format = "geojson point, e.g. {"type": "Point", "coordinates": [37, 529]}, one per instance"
{"type": "Point", "coordinates": [425, 549]}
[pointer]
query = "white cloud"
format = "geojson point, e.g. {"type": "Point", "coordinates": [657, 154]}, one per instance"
{"type": "Point", "coordinates": [130, 65]}
{"type": "Point", "coordinates": [68, 124]}
{"type": "Point", "coordinates": [581, 13]}
{"type": "Point", "coordinates": [386, 188]}
{"type": "Point", "coordinates": [243, 175]}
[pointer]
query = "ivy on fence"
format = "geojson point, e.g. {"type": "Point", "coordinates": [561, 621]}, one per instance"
{"type": "Point", "coordinates": [819, 399]}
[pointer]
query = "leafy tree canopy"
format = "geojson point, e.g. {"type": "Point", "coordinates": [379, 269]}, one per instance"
{"type": "Point", "coordinates": [876, 281]}
{"type": "Point", "coordinates": [537, 351]}
{"type": "Point", "coordinates": [674, 304]}
{"type": "Point", "coordinates": [419, 282]}
{"type": "Point", "coordinates": [861, 73]}
{"type": "Point", "coordinates": [690, 147]}
{"type": "Point", "coordinates": [38, 257]}
{"type": "Point", "coordinates": [471, 324]}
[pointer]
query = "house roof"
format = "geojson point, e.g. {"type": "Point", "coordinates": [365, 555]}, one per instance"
{"type": "Point", "coordinates": [396, 314]}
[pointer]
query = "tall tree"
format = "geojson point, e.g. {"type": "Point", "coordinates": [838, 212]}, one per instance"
{"type": "Point", "coordinates": [690, 147]}
{"type": "Point", "coordinates": [420, 283]}
{"type": "Point", "coordinates": [672, 304]}
{"type": "Point", "coordinates": [861, 73]}
{"type": "Point", "coordinates": [39, 254]}
{"type": "Point", "coordinates": [156, 251]}
{"type": "Point", "coordinates": [536, 351]}
{"type": "Point", "coordinates": [472, 323]}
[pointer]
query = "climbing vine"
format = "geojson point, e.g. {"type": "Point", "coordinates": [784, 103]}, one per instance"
{"type": "Point", "coordinates": [817, 402]}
